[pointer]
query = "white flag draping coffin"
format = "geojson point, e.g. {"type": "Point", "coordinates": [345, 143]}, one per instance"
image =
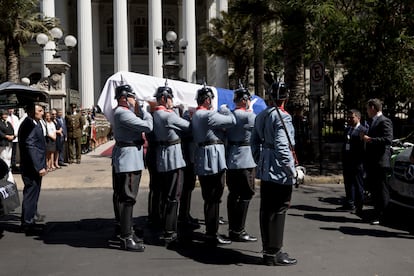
{"type": "Point", "coordinates": [145, 87]}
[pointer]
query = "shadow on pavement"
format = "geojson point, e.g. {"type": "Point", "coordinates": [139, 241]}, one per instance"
{"type": "Point", "coordinates": [336, 219]}
{"type": "Point", "coordinates": [356, 231]}
{"type": "Point", "coordinates": [89, 233]}
{"type": "Point", "coordinates": [202, 253]}
{"type": "Point", "coordinates": [312, 208]}
{"type": "Point", "coordinates": [10, 223]}
{"type": "Point", "coordinates": [99, 233]}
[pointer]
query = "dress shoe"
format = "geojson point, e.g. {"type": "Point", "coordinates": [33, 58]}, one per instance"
{"type": "Point", "coordinates": [62, 164]}
{"type": "Point", "coordinates": [375, 222]}
{"type": "Point", "coordinates": [222, 221]}
{"type": "Point", "coordinates": [217, 240]}
{"type": "Point", "coordinates": [242, 236]}
{"type": "Point", "coordinates": [39, 218]}
{"type": "Point", "coordinates": [130, 244]}
{"type": "Point", "coordinates": [32, 229]}
{"type": "Point", "coordinates": [280, 259]}
{"type": "Point", "coordinates": [170, 239]}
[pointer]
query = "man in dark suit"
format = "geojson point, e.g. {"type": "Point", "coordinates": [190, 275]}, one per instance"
{"type": "Point", "coordinates": [377, 160]}
{"type": "Point", "coordinates": [352, 160]}
{"type": "Point", "coordinates": [32, 145]}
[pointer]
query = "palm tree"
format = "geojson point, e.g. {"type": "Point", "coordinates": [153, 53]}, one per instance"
{"type": "Point", "coordinates": [20, 20]}
{"type": "Point", "coordinates": [293, 20]}
{"type": "Point", "coordinates": [229, 37]}
{"type": "Point", "coordinates": [260, 13]}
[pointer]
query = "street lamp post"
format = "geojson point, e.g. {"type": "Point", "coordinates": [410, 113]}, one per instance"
{"type": "Point", "coordinates": [56, 34]}
{"type": "Point", "coordinates": [171, 67]}
{"type": "Point", "coordinates": [55, 83]}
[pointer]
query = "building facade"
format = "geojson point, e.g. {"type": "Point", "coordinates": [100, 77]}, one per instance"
{"type": "Point", "coordinates": [119, 35]}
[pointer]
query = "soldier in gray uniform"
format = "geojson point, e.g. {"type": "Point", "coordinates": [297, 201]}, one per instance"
{"type": "Point", "coordinates": [130, 121]}
{"type": "Point", "coordinates": [210, 160]}
{"type": "Point", "coordinates": [241, 167]}
{"type": "Point", "coordinates": [276, 170]}
{"type": "Point", "coordinates": [168, 127]}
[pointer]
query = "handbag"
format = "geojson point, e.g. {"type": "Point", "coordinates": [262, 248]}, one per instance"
{"type": "Point", "coordinates": [9, 196]}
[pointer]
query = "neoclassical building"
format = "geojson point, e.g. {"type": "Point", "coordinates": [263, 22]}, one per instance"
{"type": "Point", "coordinates": [119, 35]}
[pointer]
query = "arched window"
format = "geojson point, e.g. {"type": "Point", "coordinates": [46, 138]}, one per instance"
{"type": "Point", "coordinates": [140, 33]}
{"type": "Point", "coordinates": [109, 27]}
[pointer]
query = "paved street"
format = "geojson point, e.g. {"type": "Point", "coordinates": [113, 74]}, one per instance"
{"type": "Point", "coordinates": [77, 241]}
{"type": "Point", "coordinates": [78, 236]}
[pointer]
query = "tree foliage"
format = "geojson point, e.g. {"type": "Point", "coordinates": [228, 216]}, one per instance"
{"type": "Point", "coordinates": [20, 21]}
{"type": "Point", "coordinates": [229, 37]}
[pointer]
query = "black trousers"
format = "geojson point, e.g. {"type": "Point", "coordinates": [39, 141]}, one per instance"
{"type": "Point", "coordinates": [274, 203]}
{"type": "Point", "coordinates": [125, 186]}
{"type": "Point", "coordinates": [154, 196]}
{"type": "Point", "coordinates": [241, 183]}
{"type": "Point", "coordinates": [377, 183]}
{"type": "Point", "coordinates": [354, 185]}
{"type": "Point", "coordinates": [212, 187]}
{"type": "Point", "coordinates": [172, 184]}
{"type": "Point", "coordinates": [31, 193]}
{"type": "Point", "coordinates": [188, 187]}
{"type": "Point", "coordinates": [14, 153]}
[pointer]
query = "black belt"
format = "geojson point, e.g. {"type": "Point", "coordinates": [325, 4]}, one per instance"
{"type": "Point", "coordinates": [211, 142]}
{"type": "Point", "coordinates": [169, 143]}
{"type": "Point", "coordinates": [238, 143]}
{"type": "Point", "coordinates": [268, 146]}
{"type": "Point", "coordinates": [129, 144]}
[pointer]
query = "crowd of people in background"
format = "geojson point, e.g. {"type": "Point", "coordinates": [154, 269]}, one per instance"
{"type": "Point", "coordinates": [46, 141]}
{"type": "Point", "coordinates": [67, 137]}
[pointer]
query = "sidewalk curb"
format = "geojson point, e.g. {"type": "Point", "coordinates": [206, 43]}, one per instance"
{"type": "Point", "coordinates": [95, 171]}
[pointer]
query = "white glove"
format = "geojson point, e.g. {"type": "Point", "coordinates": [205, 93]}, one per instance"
{"type": "Point", "coordinates": [300, 175]}
{"type": "Point", "coordinates": [224, 109]}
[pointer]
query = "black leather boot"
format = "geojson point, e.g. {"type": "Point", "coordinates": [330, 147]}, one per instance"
{"type": "Point", "coordinates": [272, 228]}
{"type": "Point", "coordinates": [237, 221]}
{"type": "Point", "coordinates": [154, 212]}
{"type": "Point", "coordinates": [184, 218]}
{"type": "Point", "coordinates": [211, 214]}
{"type": "Point", "coordinates": [279, 259]}
{"type": "Point", "coordinates": [170, 221]}
{"type": "Point", "coordinates": [128, 242]}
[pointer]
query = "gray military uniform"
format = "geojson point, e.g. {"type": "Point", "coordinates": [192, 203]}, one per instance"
{"type": "Point", "coordinates": [270, 147]}
{"type": "Point", "coordinates": [210, 162]}
{"type": "Point", "coordinates": [167, 128]}
{"type": "Point", "coordinates": [127, 129]}
{"type": "Point", "coordinates": [209, 139]}
{"type": "Point", "coordinates": [239, 154]}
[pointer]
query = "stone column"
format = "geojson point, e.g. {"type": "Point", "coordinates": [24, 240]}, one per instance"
{"type": "Point", "coordinates": [121, 49]}
{"type": "Point", "coordinates": [85, 56]}
{"type": "Point", "coordinates": [48, 10]}
{"type": "Point", "coordinates": [154, 32]}
{"type": "Point", "coordinates": [96, 50]}
{"type": "Point", "coordinates": [222, 67]}
{"type": "Point", "coordinates": [190, 65]}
